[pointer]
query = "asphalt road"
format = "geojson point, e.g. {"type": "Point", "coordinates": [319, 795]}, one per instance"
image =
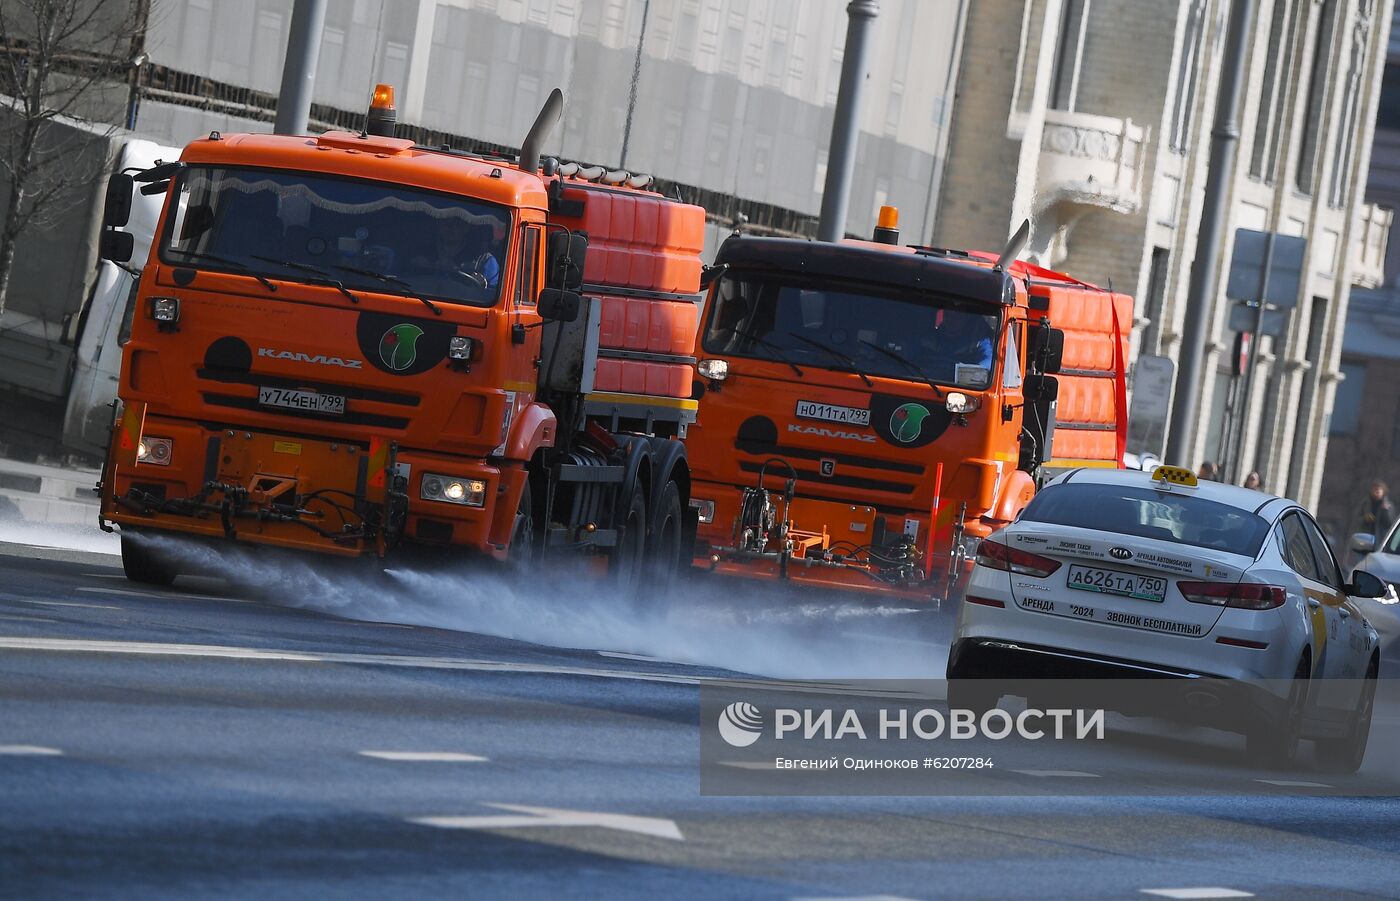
{"type": "Point", "coordinates": [194, 742]}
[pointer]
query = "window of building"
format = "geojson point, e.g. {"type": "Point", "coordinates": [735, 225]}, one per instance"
{"type": "Point", "coordinates": [1388, 111]}
{"type": "Point", "coordinates": [1156, 300]}
{"type": "Point", "coordinates": [1340, 184]}
{"type": "Point", "coordinates": [1346, 404]}
{"type": "Point", "coordinates": [1069, 52]}
{"type": "Point", "coordinates": [1302, 430]}
{"type": "Point", "coordinates": [1274, 90]}
{"type": "Point", "coordinates": [1317, 94]}
{"type": "Point", "coordinates": [1187, 74]}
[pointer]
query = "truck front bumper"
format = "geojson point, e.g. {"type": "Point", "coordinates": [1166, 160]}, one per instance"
{"type": "Point", "coordinates": [348, 498]}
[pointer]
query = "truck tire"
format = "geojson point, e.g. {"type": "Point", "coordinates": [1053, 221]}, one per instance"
{"type": "Point", "coordinates": [142, 564]}
{"type": "Point", "coordinates": [664, 539]}
{"type": "Point", "coordinates": [627, 560]}
{"type": "Point", "coordinates": [521, 556]}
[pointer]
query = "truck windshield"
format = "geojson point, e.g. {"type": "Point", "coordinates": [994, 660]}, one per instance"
{"type": "Point", "coordinates": [297, 226]}
{"type": "Point", "coordinates": [890, 333]}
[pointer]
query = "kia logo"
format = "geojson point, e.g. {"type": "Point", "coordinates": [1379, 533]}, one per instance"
{"type": "Point", "coordinates": [1121, 553]}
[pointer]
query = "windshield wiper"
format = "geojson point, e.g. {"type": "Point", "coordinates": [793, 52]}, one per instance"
{"type": "Point", "coordinates": [901, 359]}
{"type": "Point", "coordinates": [776, 348]}
{"type": "Point", "coordinates": [322, 277]}
{"type": "Point", "coordinates": [235, 264]}
{"type": "Point", "coordinates": [835, 355]}
{"type": "Point", "coordinates": [388, 279]}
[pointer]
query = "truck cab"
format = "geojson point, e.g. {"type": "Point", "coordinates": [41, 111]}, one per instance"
{"type": "Point", "coordinates": [348, 342]}
{"type": "Point", "coordinates": [868, 411]}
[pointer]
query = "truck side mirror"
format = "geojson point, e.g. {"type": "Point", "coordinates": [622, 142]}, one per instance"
{"type": "Point", "coordinates": [1047, 349]}
{"type": "Point", "coordinates": [565, 259]}
{"type": "Point", "coordinates": [558, 306]}
{"type": "Point", "coordinates": [116, 246]}
{"type": "Point", "coordinates": [116, 210]}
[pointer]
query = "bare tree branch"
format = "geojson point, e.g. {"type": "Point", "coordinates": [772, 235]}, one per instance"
{"type": "Point", "coordinates": [60, 56]}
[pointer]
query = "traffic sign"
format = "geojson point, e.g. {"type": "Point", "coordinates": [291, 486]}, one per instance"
{"type": "Point", "coordinates": [1245, 316]}
{"type": "Point", "coordinates": [1247, 265]}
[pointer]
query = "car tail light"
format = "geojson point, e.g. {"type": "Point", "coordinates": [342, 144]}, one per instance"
{"type": "Point", "coordinates": [1243, 595]}
{"type": "Point", "coordinates": [995, 555]}
{"type": "Point", "coordinates": [985, 602]}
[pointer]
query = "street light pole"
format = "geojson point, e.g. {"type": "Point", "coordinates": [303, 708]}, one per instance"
{"type": "Point", "coordinates": [1220, 172]}
{"type": "Point", "coordinates": [845, 125]}
{"type": "Point", "coordinates": [1247, 399]}
{"type": "Point", "coordinates": [299, 68]}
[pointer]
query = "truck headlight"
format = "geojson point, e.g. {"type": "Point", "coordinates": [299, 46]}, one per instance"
{"type": "Point", "coordinates": [156, 451]}
{"type": "Point", "coordinates": [460, 347]}
{"type": "Point", "coordinates": [706, 509]}
{"type": "Point", "coordinates": [957, 402]}
{"type": "Point", "coordinates": [453, 490]}
{"type": "Point", "coordinates": [164, 309]}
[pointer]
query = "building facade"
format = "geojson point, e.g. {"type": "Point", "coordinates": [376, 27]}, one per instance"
{"type": "Point", "coordinates": [732, 97]}
{"type": "Point", "coordinates": [1093, 119]}
{"type": "Point", "coordinates": [1364, 428]}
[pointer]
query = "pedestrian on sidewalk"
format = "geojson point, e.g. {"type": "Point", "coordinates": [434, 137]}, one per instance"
{"type": "Point", "coordinates": [1375, 514]}
{"type": "Point", "coordinates": [1209, 472]}
{"type": "Point", "coordinates": [1254, 481]}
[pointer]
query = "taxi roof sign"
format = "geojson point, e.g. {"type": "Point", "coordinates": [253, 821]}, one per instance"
{"type": "Point", "coordinates": [1174, 475]}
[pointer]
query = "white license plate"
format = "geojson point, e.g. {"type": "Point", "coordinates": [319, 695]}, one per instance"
{"type": "Point", "coordinates": [810, 409]}
{"type": "Point", "coordinates": [1108, 581]}
{"type": "Point", "coordinates": [309, 401]}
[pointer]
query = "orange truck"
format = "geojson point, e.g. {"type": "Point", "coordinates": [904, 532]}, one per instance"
{"type": "Point", "coordinates": [348, 343]}
{"type": "Point", "coordinates": [870, 411]}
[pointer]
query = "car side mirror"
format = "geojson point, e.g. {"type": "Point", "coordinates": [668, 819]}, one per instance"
{"type": "Point", "coordinates": [1365, 585]}
{"type": "Point", "coordinates": [116, 210]}
{"type": "Point", "coordinates": [558, 306]}
{"type": "Point", "coordinates": [116, 246]}
{"type": "Point", "coordinates": [1363, 542]}
{"type": "Point", "coordinates": [565, 258]}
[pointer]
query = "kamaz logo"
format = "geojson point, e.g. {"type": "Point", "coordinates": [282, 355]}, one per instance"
{"type": "Point", "coordinates": [301, 357]}
{"type": "Point", "coordinates": [831, 433]}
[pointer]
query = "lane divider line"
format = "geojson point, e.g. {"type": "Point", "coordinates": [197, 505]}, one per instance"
{"type": "Point", "coordinates": [1068, 774]}
{"type": "Point", "coordinates": [1197, 892]}
{"type": "Point", "coordinates": [1290, 783]}
{"type": "Point", "coordinates": [29, 751]}
{"type": "Point", "coordinates": [425, 756]}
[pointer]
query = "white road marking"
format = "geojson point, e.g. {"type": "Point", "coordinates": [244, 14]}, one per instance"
{"type": "Point", "coordinates": [29, 751]}
{"type": "Point", "coordinates": [748, 764]}
{"type": "Point", "coordinates": [121, 576]}
{"type": "Point", "coordinates": [1289, 783]}
{"type": "Point", "coordinates": [1075, 774]}
{"type": "Point", "coordinates": [424, 756]}
{"type": "Point", "coordinates": [854, 898]}
{"type": "Point", "coordinates": [73, 604]}
{"type": "Point", "coordinates": [642, 657]}
{"type": "Point", "coordinates": [1197, 892]}
{"type": "Point", "coordinates": [160, 594]}
{"type": "Point", "coordinates": [27, 619]}
{"type": "Point", "coordinates": [163, 649]}
{"type": "Point", "coordinates": [527, 817]}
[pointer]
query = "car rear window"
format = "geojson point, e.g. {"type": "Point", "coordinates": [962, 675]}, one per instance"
{"type": "Point", "coordinates": [1176, 516]}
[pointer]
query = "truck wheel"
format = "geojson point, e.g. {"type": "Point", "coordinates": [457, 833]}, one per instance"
{"type": "Point", "coordinates": [521, 555]}
{"type": "Point", "coordinates": [664, 544]}
{"type": "Point", "coordinates": [627, 560]}
{"type": "Point", "coordinates": [142, 564]}
{"type": "Point", "coordinates": [1345, 754]}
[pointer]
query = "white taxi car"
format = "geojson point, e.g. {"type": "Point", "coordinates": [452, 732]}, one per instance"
{"type": "Point", "coordinates": [1130, 574]}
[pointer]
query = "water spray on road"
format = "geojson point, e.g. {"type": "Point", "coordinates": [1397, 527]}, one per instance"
{"type": "Point", "coordinates": [745, 628]}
